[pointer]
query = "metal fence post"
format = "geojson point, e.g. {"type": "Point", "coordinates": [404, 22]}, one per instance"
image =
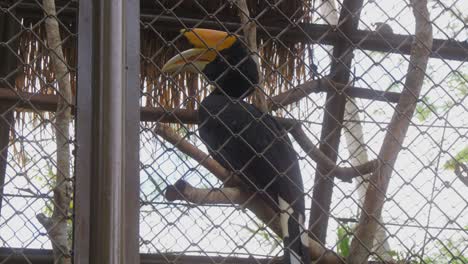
{"type": "Point", "coordinates": [107, 133]}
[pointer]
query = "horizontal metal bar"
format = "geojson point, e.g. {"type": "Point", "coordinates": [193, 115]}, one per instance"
{"type": "Point", "coordinates": [315, 33]}
{"type": "Point", "coordinates": [44, 256]}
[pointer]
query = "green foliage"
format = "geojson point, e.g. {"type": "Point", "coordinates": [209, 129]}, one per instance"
{"type": "Point", "coordinates": [425, 109]}
{"type": "Point", "coordinates": [460, 157]}
{"type": "Point", "coordinates": [344, 240]}
{"type": "Point", "coordinates": [450, 251]}
{"type": "Point", "coordinates": [458, 81]}
{"type": "Point", "coordinates": [261, 230]}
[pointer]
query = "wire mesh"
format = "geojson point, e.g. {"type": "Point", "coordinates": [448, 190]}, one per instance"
{"type": "Point", "coordinates": [37, 138]}
{"type": "Point", "coordinates": [423, 216]}
{"type": "Point", "coordinates": [422, 220]}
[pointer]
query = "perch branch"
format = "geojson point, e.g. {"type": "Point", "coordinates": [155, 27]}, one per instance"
{"type": "Point", "coordinates": [404, 111]}
{"type": "Point", "coordinates": [183, 191]}
{"type": "Point", "coordinates": [461, 168]}
{"type": "Point", "coordinates": [57, 226]}
{"type": "Point", "coordinates": [295, 94]}
{"type": "Point", "coordinates": [343, 173]}
{"type": "Point", "coordinates": [227, 177]}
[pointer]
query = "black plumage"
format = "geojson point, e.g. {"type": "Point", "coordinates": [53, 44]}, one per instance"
{"type": "Point", "coordinates": [252, 143]}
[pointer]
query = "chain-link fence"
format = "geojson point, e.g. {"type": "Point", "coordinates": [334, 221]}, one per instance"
{"type": "Point", "coordinates": [330, 53]}
{"type": "Point", "coordinates": [37, 139]}
{"type": "Point", "coordinates": [330, 73]}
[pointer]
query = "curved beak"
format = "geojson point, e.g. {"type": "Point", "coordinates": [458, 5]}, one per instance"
{"type": "Point", "coordinates": [206, 42]}
{"type": "Point", "coordinates": [192, 60]}
{"type": "Point", "coordinates": [209, 38]}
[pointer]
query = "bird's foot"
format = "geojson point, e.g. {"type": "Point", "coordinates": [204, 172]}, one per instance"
{"type": "Point", "coordinates": [176, 191]}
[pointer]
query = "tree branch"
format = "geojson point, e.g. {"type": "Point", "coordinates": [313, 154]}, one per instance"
{"type": "Point", "coordinates": [361, 245]}
{"type": "Point", "coordinates": [57, 226]}
{"type": "Point", "coordinates": [343, 173]}
{"type": "Point", "coordinates": [183, 191]}
{"type": "Point", "coordinates": [299, 92]}
{"type": "Point", "coordinates": [226, 176]}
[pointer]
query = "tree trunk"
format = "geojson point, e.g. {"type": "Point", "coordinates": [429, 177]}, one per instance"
{"type": "Point", "coordinates": [396, 132]}
{"type": "Point", "coordinates": [57, 225]}
{"type": "Point", "coordinates": [355, 142]}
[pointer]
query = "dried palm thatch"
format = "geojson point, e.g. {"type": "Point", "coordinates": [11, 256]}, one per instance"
{"type": "Point", "coordinates": [282, 62]}
{"type": "Point", "coordinates": [35, 72]}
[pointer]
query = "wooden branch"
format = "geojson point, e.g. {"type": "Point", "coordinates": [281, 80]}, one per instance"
{"type": "Point", "coordinates": [182, 190]}
{"type": "Point", "coordinates": [262, 210]}
{"type": "Point", "coordinates": [57, 226]}
{"type": "Point", "coordinates": [361, 246]}
{"type": "Point", "coordinates": [461, 169]}
{"type": "Point", "coordinates": [343, 173]}
{"type": "Point", "coordinates": [227, 177]}
{"type": "Point", "coordinates": [325, 84]}
{"type": "Point", "coordinates": [297, 93]}
{"type": "Point", "coordinates": [354, 136]}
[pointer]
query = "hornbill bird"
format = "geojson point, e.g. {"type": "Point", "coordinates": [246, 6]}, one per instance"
{"type": "Point", "coordinates": [241, 137]}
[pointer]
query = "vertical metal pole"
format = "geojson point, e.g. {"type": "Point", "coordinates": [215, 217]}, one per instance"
{"type": "Point", "coordinates": [333, 121]}
{"type": "Point", "coordinates": [114, 119]}
{"type": "Point", "coordinates": [84, 123]}
{"type": "Point", "coordinates": [8, 28]}
{"type": "Point", "coordinates": [132, 130]}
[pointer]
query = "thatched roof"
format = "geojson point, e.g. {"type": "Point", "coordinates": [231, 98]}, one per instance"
{"type": "Point", "coordinates": [282, 61]}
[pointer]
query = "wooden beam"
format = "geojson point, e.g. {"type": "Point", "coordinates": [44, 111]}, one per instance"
{"type": "Point", "coordinates": [332, 121]}
{"type": "Point", "coordinates": [48, 102]}
{"type": "Point", "coordinates": [303, 32]}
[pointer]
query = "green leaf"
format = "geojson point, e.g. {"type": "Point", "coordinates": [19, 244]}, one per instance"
{"type": "Point", "coordinates": [424, 109]}
{"type": "Point", "coordinates": [457, 81]}
{"type": "Point", "coordinates": [343, 241]}
{"type": "Point", "coordinates": [460, 157]}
